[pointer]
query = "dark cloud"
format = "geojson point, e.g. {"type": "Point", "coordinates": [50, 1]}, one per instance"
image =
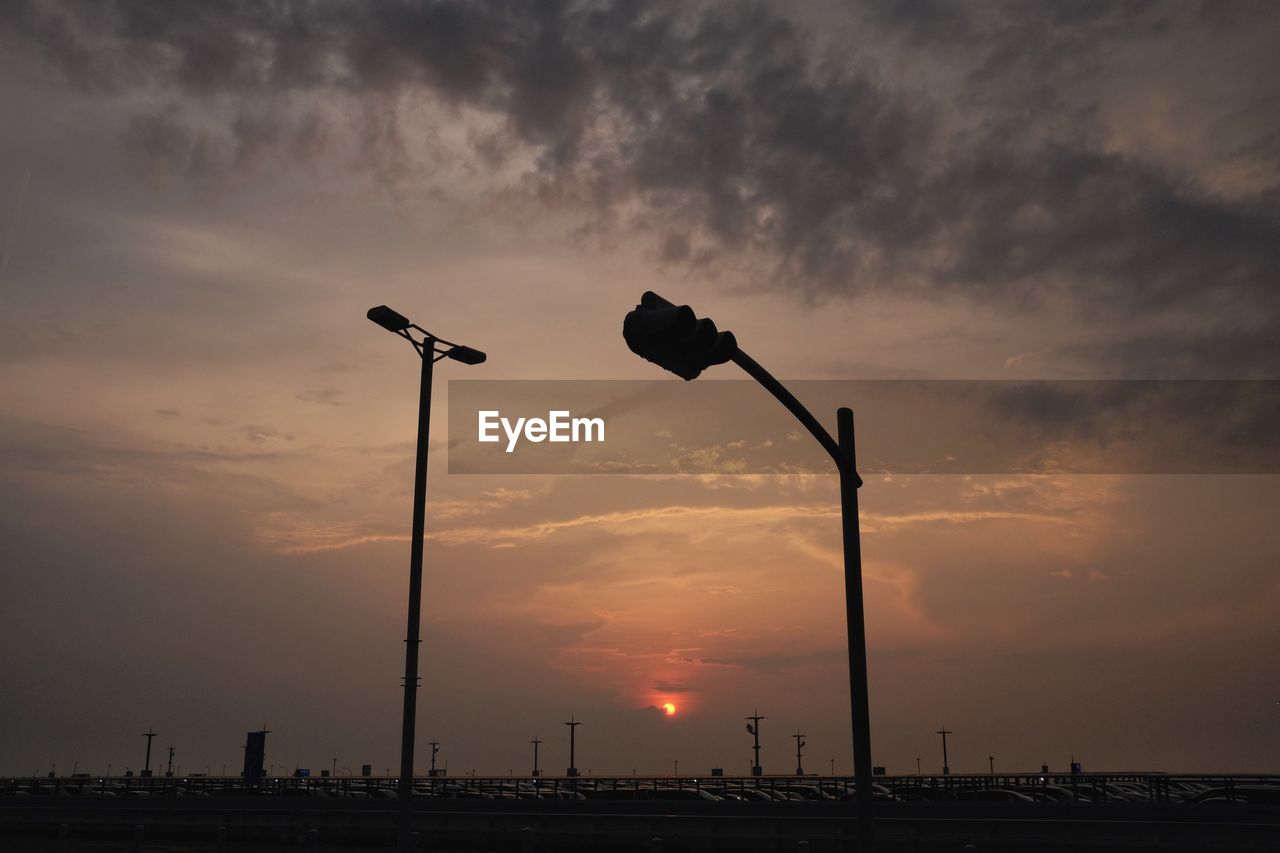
{"type": "Point", "coordinates": [1109, 227]}
{"type": "Point", "coordinates": [729, 135]}
{"type": "Point", "coordinates": [1215, 353]}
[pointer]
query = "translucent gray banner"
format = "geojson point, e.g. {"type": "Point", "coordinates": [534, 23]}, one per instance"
{"type": "Point", "coordinates": [903, 427]}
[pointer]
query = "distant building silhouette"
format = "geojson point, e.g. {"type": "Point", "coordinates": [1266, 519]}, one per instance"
{"type": "Point", "coordinates": [255, 754]}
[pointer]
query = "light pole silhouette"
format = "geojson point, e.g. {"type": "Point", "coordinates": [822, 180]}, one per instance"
{"type": "Point", "coordinates": [573, 727]}
{"type": "Point", "coordinates": [430, 349]}
{"type": "Point", "coordinates": [991, 760]}
{"type": "Point", "coordinates": [799, 746]}
{"type": "Point", "coordinates": [172, 750]}
{"type": "Point", "coordinates": [146, 767]}
{"type": "Point", "coordinates": [535, 743]}
{"type": "Point", "coordinates": [754, 728]}
{"type": "Point", "coordinates": [673, 338]}
{"type": "Point", "coordinates": [435, 748]}
{"type": "Point", "coordinates": [944, 731]}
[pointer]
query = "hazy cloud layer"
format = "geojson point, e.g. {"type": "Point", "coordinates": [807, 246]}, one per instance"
{"type": "Point", "coordinates": [736, 138]}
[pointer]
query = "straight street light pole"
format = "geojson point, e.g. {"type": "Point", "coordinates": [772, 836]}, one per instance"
{"type": "Point", "coordinates": [675, 339]}
{"type": "Point", "coordinates": [753, 728]}
{"type": "Point", "coordinates": [146, 768]}
{"type": "Point", "coordinates": [430, 350]}
{"type": "Point", "coordinates": [573, 727]}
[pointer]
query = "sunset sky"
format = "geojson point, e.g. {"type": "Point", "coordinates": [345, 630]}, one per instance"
{"type": "Point", "coordinates": [206, 450]}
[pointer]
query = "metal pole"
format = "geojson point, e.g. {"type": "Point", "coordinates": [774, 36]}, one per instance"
{"type": "Point", "coordinates": [755, 718]}
{"type": "Point", "coordinates": [857, 631]}
{"type": "Point", "coordinates": [573, 728]}
{"type": "Point", "coordinates": [946, 767]}
{"type": "Point", "coordinates": [148, 734]}
{"type": "Point", "coordinates": [535, 743]}
{"type": "Point", "coordinates": [412, 636]}
{"type": "Point", "coordinates": [842, 452]}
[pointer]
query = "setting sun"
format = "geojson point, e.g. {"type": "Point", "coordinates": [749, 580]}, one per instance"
{"type": "Point", "coordinates": [670, 708]}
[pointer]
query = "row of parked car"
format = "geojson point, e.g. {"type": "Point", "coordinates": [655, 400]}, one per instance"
{"type": "Point", "coordinates": [1086, 790]}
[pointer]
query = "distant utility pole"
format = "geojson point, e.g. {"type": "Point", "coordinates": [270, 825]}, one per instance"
{"type": "Point", "coordinates": [172, 749]}
{"type": "Point", "coordinates": [148, 734]}
{"type": "Point", "coordinates": [833, 767]}
{"type": "Point", "coordinates": [918, 773]}
{"type": "Point", "coordinates": [573, 727]}
{"type": "Point", "coordinates": [799, 746]}
{"type": "Point", "coordinates": [944, 731]}
{"type": "Point", "coordinates": [535, 743]}
{"type": "Point", "coordinates": [435, 747]}
{"type": "Point", "coordinates": [991, 760]}
{"type": "Point", "coordinates": [753, 728]}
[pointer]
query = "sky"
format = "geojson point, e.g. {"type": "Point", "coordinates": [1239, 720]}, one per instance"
{"type": "Point", "coordinates": [206, 450]}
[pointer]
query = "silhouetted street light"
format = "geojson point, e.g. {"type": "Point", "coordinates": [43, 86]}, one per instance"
{"type": "Point", "coordinates": [944, 731]}
{"type": "Point", "coordinates": [430, 349]}
{"type": "Point", "coordinates": [535, 743]}
{"type": "Point", "coordinates": [148, 734]}
{"type": "Point", "coordinates": [573, 727]}
{"type": "Point", "coordinates": [675, 339]}
{"type": "Point", "coordinates": [753, 729]}
{"type": "Point", "coordinates": [800, 744]}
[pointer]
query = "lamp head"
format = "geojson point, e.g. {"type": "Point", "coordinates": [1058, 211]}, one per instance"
{"type": "Point", "coordinates": [466, 355]}
{"type": "Point", "coordinates": [388, 319]}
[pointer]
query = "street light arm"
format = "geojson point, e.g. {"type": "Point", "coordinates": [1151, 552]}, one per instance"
{"type": "Point", "coordinates": [786, 398]}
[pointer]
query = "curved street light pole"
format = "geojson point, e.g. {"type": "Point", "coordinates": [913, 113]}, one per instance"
{"type": "Point", "coordinates": [842, 452]}
{"type": "Point", "coordinates": [428, 350]}
{"type": "Point", "coordinates": [674, 338]}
